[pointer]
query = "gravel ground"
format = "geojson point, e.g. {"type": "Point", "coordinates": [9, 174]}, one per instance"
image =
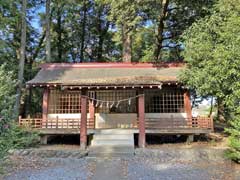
{"type": "Point", "coordinates": [54, 169]}
{"type": "Point", "coordinates": [166, 165]}
{"type": "Point", "coordinates": [146, 169]}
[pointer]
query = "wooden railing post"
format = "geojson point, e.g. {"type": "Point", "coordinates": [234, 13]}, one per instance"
{"type": "Point", "coordinates": [57, 123]}
{"type": "Point", "coordinates": [19, 120]}
{"type": "Point", "coordinates": [34, 122]}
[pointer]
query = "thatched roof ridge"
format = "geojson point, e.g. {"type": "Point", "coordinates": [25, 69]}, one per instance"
{"type": "Point", "coordinates": [107, 74]}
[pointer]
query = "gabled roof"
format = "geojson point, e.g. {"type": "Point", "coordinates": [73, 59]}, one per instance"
{"type": "Point", "coordinates": [102, 74]}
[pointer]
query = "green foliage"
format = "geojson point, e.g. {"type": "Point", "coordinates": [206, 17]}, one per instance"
{"type": "Point", "coordinates": [11, 136]}
{"type": "Point", "coordinates": [213, 61]}
{"type": "Point", "coordinates": [211, 51]}
{"type": "Point", "coordinates": [234, 140]}
{"type": "Point", "coordinates": [16, 138]}
{"type": "Point", "coordinates": [102, 23]}
{"type": "Point", "coordinates": [7, 97]}
{"type": "Point", "coordinates": [142, 46]}
{"type": "Point", "coordinates": [141, 18]}
{"type": "Point", "coordinates": [127, 13]}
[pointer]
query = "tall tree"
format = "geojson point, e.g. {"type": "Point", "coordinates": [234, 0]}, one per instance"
{"type": "Point", "coordinates": [59, 30]}
{"type": "Point", "coordinates": [48, 36]}
{"type": "Point", "coordinates": [82, 47]}
{"type": "Point", "coordinates": [160, 29]}
{"type": "Point", "coordinates": [102, 27]}
{"type": "Point", "coordinates": [126, 43]}
{"type": "Point", "coordinates": [22, 56]}
{"type": "Point", "coordinates": [213, 58]}
{"type": "Point", "coordinates": [169, 19]}
{"type": "Point", "coordinates": [127, 16]}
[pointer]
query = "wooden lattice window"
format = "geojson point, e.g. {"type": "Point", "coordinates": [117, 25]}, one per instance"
{"type": "Point", "coordinates": [116, 95]}
{"type": "Point", "coordinates": [159, 101]}
{"type": "Point", "coordinates": [64, 102]}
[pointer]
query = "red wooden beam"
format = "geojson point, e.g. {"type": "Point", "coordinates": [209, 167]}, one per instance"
{"type": "Point", "coordinates": [45, 107]}
{"type": "Point", "coordinates": [83, 127]}
{"type": "Point", "coordinates": [141, 125]}
{"type": "Point", "coordinates": [188, 107]}
{"type": "Point", "coordinates": [92, 112]}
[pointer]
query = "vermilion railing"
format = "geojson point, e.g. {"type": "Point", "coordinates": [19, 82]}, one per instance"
{"type": "Point", "coordinates": [30, 122]}
{"type": "Point", "coordinates": [150, 123]}
{"type": "Point", "coordinates": [55, 123]}
{"type": "Point", "coordinates": [198, 122]}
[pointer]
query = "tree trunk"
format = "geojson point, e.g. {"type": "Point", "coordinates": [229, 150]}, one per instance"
{"type": "Point", "coordinates": [48, 38]}
{"type": "Point", "coordinates": [59, 34]}
{"type": "Point", "coordinates": [22, 58]}
{"type": "Point", "coordinates": [211, 108]}
{"type": "Point", "coordinates": [28, 101]}
{"type": "Point", "coordinates": [127, 45]}
{"type": "Point", "coordinates": [83, 32]}
{"type": "Point", "coordinates": [101, 35]}
{"type": "Point", "coordinates": [220, 111]}
{"type": "Point", "coordinates": [100, 49]}
{"type": "Point", "coordinates": [160, 29]}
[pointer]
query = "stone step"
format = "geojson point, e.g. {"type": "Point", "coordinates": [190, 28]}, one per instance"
{"type": "Point", "coordinates": [112, 136]}
{"type": "Point", "coordinates": [111, 151]}
{"type": "Point", "coordinates": [112, 142]}
{"type": "Point", "coordinates": [114, 131]}
{"type": "Point", "coordinates": [110, 155]}
{"type": "Point", "coordinates": [109, 148]}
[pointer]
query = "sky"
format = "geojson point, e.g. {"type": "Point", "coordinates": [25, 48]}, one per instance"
{"type": "Point", "coordinates": [35, 22]}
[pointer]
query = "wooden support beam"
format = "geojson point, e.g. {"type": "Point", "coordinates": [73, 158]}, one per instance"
{"type": "Point", "coordinates": [211, 123]}
{"type": "Point", "coordinates": [83, 128]}
{"type": "Point", "coordinates": [188, 107]}
{"type": "Point", "coordinates": [141, 119]}
{"type": "Point", "coordinates": [92, 111]}
{"type": "Point", "coordinates": [44, 139]}
{"type": "Point", "coordinates": [190, 138]}
{"type": "Point", "coordinates": [45, 107]}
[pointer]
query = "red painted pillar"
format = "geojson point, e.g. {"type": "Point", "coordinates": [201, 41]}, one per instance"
{"type": "Point", "coordinates": [45, 107]}
{"type": "Point", "coordinates": [83, 128]}
{"type": "Point", "coordinates": [188, 107]}
{"type": "Point", "coordinates": [91, 114]}
{"type": "Point", "coordinates": [141, 124]}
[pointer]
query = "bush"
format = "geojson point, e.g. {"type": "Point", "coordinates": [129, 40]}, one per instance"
{"type": "Point", "coordinates": [7, 98]}
{"type": "Point", "coordinates": [16, 137]}
{"type": "Point", "coordinates": [11, 136]}
{"type": "Point", "coordinates": [234, 140]}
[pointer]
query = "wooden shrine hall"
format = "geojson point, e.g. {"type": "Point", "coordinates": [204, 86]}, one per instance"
{"type": "Point", "coordinates": [84, 98]}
